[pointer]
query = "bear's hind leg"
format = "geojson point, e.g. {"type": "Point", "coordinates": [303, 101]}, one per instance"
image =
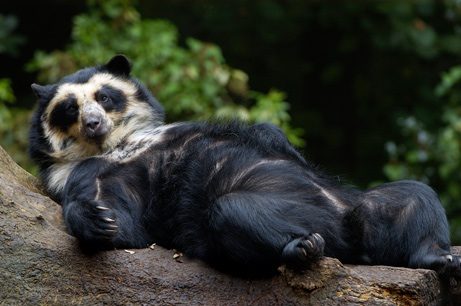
{"type": "Point", "coordinates": [431, 256]}
{"type": "Point", "coordinates": [406, 226]}
{"type": "Point", "coordinates": [254, 231]}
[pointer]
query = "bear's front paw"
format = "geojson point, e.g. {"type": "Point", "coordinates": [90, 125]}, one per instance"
{"type": "Point", "coordinates": [105, 221]}
{"type": "Point", "coordinates": [91, 222]}
{"type": "Point", "coordinates": [304, 250]}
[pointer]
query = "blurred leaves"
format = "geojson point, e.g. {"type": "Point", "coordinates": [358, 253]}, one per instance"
{"type": "Point", "coordinates": [433, 155]}
{"type": "Point", "coordinates": [6, 96]}
{"type": "Point", "coordinates": [412, 27]}
{"type": "Point", "coordinates": [13, 121]}
{"type": "Point", "coordinates": [14, 125]}
{"type": "Point", "coordinates": [449, 79]}
{"type": "Point", "coordinates": [9, 43]}
{"type": "Point", "coordinates": [193, 82]}
{"type": "Point", "coordinates": [6, 93]}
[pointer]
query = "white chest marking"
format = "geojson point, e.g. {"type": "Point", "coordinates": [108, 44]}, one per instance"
{"type": "Point", "coordinates": [58, 175]}
{"type": "Point", "coordinates": [138, 143]}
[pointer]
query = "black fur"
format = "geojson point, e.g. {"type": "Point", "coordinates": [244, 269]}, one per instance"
{"type": "Point", "coordinates": [242, 199]}
{"type": "Point", "coordinates": [111, 99]}
{"type": "Point", "coordinates": [65, 113]}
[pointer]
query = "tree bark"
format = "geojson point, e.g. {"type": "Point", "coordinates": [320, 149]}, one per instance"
{"type": "Point", "coordinates": [41, 264]}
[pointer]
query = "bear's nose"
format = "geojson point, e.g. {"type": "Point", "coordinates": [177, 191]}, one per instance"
{"type": "Point", "coordinates": [92, 124]}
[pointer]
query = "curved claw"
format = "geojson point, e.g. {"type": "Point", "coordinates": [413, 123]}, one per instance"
{"type": "Point", "coordinates": [318, 238]}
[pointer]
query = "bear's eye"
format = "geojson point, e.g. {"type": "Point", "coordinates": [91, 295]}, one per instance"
{"type": "Point", "coordinates": [71, 107]}
{"type": "Point", "coordinates": [103, 98]}
{"type": "Point", "coordinates": [111, 98]}
{"type": "Point", "coordinates": [64, 114]}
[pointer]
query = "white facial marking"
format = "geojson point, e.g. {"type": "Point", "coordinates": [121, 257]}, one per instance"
{"type": "Point", "coordinates": [92, 108]}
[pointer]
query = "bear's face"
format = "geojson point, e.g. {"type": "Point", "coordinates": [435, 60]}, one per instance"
{"type": "Point", "coordinates": [93, 110]}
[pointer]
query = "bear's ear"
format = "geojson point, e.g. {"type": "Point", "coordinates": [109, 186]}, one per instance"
{"type": "Point", "coordinates": [42, 92]}
{"type": "Point", "coordinates": [119, 65]}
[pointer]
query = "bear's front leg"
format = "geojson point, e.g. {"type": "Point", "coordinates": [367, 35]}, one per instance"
{"type": "Point", "coordinates": [104, 204]}
{"type": "Point", "coordinates": [92, 222]}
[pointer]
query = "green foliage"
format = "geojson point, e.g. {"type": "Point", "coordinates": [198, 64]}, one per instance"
{"type": "Point", "coordinates": [6, 96]}
{"type": "Point", "coordinates": [192, 82]}
{"type": "Point", "coordinates": [13, 121]}
{"type": "Point", "coordinates": [14, 124]}
{"type": "Point", "coordinates": [415, 27]}
{"type": "Point", "coordinates": [429, 146]}
{"type": "Point", "coordinates": [9, 43]}
{"type": "Point", "coordinates": [433, 155]}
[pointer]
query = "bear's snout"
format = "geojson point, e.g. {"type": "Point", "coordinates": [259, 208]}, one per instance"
{"type": "Point", "coordinates": [94, 121]}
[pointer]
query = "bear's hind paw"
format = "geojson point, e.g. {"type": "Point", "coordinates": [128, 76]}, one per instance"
{"type": "Point", "coordinates": [453, 266]}
{"type": "Point", "coordinates": [299, 252]}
